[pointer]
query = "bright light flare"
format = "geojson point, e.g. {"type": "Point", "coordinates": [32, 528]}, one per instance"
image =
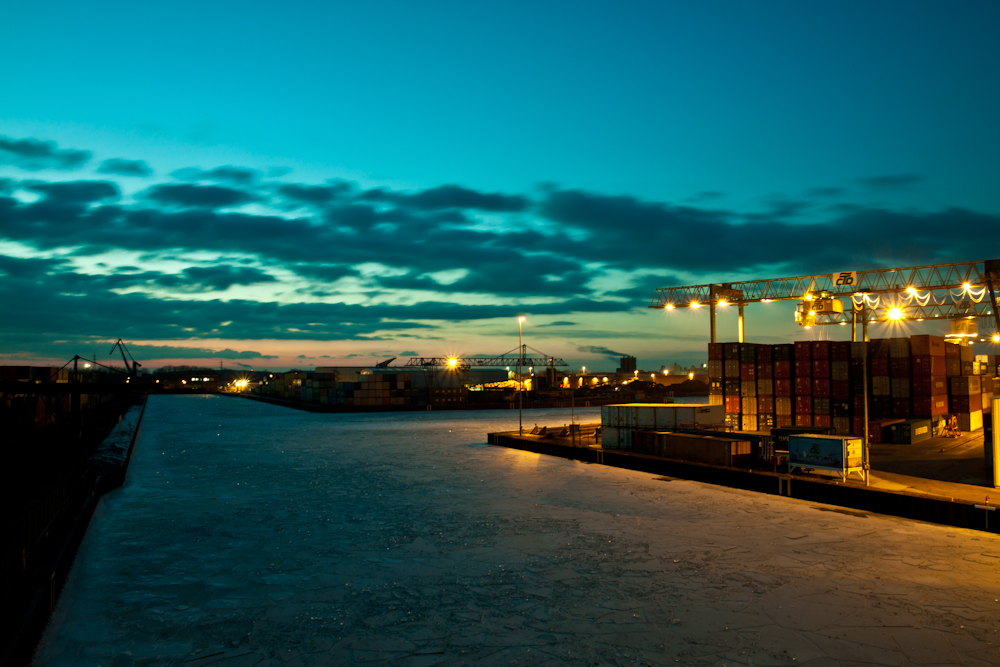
{"type": "Point", "coordinates": [454, 362]}
{"type": "Point", "coordinates": [996, 338]}
{"type": "Point", "coordinates": [695, 304]}
{"type": "Point", "coordinates": [911, 290]}
{"type": "Point", "coordinates": [670, 306]}
{"type": "Point", "coordinates": [895, 314]}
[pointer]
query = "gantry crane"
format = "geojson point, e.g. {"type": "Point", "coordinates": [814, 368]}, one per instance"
{"type": "Point", "coordinates": [511, 358]}
{"type": "Point", "coordinates": [963, 290]}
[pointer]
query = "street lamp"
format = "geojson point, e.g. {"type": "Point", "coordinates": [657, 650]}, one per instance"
{"type": "Point", "coordinates": [520, 387]}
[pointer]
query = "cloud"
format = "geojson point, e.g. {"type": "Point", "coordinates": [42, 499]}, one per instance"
{"type": "Point", "coordinates": [592, 253]}
{"type": "Point", "coordinates": [241, 176]}
{"type": "Point", "coordinates": [890, 181]}
{"type": "Point", "coordinates": [76, 192]}
{"type": "Point", "coordinates": [197, 196]}
{"type": "Point", "coordinates": [450, 196]}
{"type": "Point", "coordinates": [222, 277]}
{"type": "Point", "coordinates": [314, 195]}
{"type": "Point", "coordinates": [180, 352]}
{"type": "Point", "coordinates": [602, 351]}
{"type": "Point", "coordinates": [123, 167]}
{"type": "Point", "coordinates": [409, 353]}
{"type": "Point", "coordinates": [35, 155]}
{"type": "Point", "coordinates": [558, 323]}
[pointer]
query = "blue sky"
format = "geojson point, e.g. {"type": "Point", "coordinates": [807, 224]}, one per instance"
{"type": "Point", "coordinates": [476, 162]}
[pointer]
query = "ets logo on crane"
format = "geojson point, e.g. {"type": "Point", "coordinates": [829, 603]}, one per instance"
{"type": "Point", "coordinates": [845, 279]}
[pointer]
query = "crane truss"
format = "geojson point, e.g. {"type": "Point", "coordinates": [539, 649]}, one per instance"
{"type": "Point", "coordinates": [505, 359]}
{"type": "Point", "coordinates": [469, 362]}
{"type": "Point", "coordinates": [959, 290]}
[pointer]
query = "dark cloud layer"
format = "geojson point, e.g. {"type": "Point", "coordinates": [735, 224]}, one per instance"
{"type": "Point", "coordinates": [429, 240]}
{"type": "Point", "coordinates": [603, 351]}
{"type": "Point", "coordinates": [123, 167]}
{"type": "Point", "coordinates": [35, 155]}
{"type": "Point", "coordinates": [197, 196]}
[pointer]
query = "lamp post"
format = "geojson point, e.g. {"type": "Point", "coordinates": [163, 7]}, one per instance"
{"type": "Point", "coordinates": [520, 385]}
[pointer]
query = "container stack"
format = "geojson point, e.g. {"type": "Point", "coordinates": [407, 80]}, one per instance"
{"type": "Point", "coordinates": [765, 387]}
{"type": "Point", "coordinates": [821, 384]}
{"type": "Point", "coordinates": [784, 358]}
{"type": "Point", "coordinates": [930, 381]}
{"type": "Point", "coordinates": [802, 383]}
{"type": "Point", "coordinates": [324, 388]}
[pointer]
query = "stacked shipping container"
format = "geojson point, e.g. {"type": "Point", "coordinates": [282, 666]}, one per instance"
{"type": "Point", "coordinates": [821, 383]}
{"type": "Point", "coordinates": [323, 388]}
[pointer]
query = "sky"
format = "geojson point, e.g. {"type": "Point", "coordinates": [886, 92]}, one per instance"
{"type": "Point", "coordinates": [318, 184]}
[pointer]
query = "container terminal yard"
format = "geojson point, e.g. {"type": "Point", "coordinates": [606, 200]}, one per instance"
{"type": "Point", "coordinates": [901, 425]}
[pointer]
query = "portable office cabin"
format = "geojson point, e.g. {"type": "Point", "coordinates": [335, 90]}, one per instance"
{"type": "Point", "coordinates": [841, 454]}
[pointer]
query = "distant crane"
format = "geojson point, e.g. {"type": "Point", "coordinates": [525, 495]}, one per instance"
{"type": "Point", "coordinates": [133, 369]}
{"type": "Point", "coordinates": [510, 358]}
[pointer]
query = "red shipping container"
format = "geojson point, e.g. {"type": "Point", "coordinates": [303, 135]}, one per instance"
{"type": "Point", "coordinates": [930, 406]}
{"type": "Point", "coordinates": [821, 368]}
{"type": "Point", "coordinates": [821, 349]}
{"type": "Point", "coordinates": [952, 351]}
{"type": "Point", "coordinates": [902, 408]}
{"type": "Point", "coordinates": [952, 366]}
{"type": "Point", "coordinates": [927, 345]}
{"type": "Point", "coordinates": [821, 388]}
{"type": "Point", "coordinates": [880, 366]}
{"type": "Point", "coordinates": [765, 405]}
{"type": "Point", "coordinates": [823, 421]}
{"type": "Point", "coordinates": [803, 350]}
{"type": "Point", "coordinates": [840, 390]}
{"type": "Point", "coordinates": [929, 365]}
{"type": "Point", "coordinates": [966, 404]}
{"type": "Point", "coordinates": [930, 386]}
{"type": "Point", "coordinates": [899, 367]}
{"type": "Point", "coordinates": [765, 371]}
{"type": "Point", "coordinates": [765, 354]}
{"type": "Point", "coordinates": [733, 405]}
{"type": "Point", "coordinates": [840, 351]}
{"type": "Point", "coordinates": [782, 420]}
{"type": "Point", "coordinates": [803, 405]}
{"type": "Point", "coordinates": [803, 386]}
{"type": "Point", "coordinates": [715, 351]}
{"type": "Point", "coordinates": [859, 404]}
{"type": "Point", "coordinates": [858, 427]}
{"type": "Point", "coordinates": [748, 372]}
{"type": "Point", "coordinates": [803, 368]}
{"type": "Point", "coordinates": [783, 387]}
{"type": "Point", "coordinates": [782, 369]}
{"type": "Point", "coordinates": [803, 420]}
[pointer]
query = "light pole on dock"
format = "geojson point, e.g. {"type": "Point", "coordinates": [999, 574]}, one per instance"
{"type": "Point", "coordinates": [520, 386]}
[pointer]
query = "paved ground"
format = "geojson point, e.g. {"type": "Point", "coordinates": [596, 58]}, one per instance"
{"type": "Point", "coordinates": [249, 534]}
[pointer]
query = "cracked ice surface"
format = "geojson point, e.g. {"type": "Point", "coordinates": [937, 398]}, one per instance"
{"type": "Point", "coordinates": [248, 534]}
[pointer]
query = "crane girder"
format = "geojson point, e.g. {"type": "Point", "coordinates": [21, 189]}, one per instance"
{"type": "Point", "coordinates": [469, 362]}
{"type": "Point", "coordinates": [876, 281]}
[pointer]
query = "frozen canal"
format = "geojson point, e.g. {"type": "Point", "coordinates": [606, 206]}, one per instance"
{"type": "Point", "coordinates": [248, 534]}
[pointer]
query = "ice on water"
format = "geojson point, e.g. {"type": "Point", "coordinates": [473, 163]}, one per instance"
{"type": "Point", "coordinates": [249, 534]}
